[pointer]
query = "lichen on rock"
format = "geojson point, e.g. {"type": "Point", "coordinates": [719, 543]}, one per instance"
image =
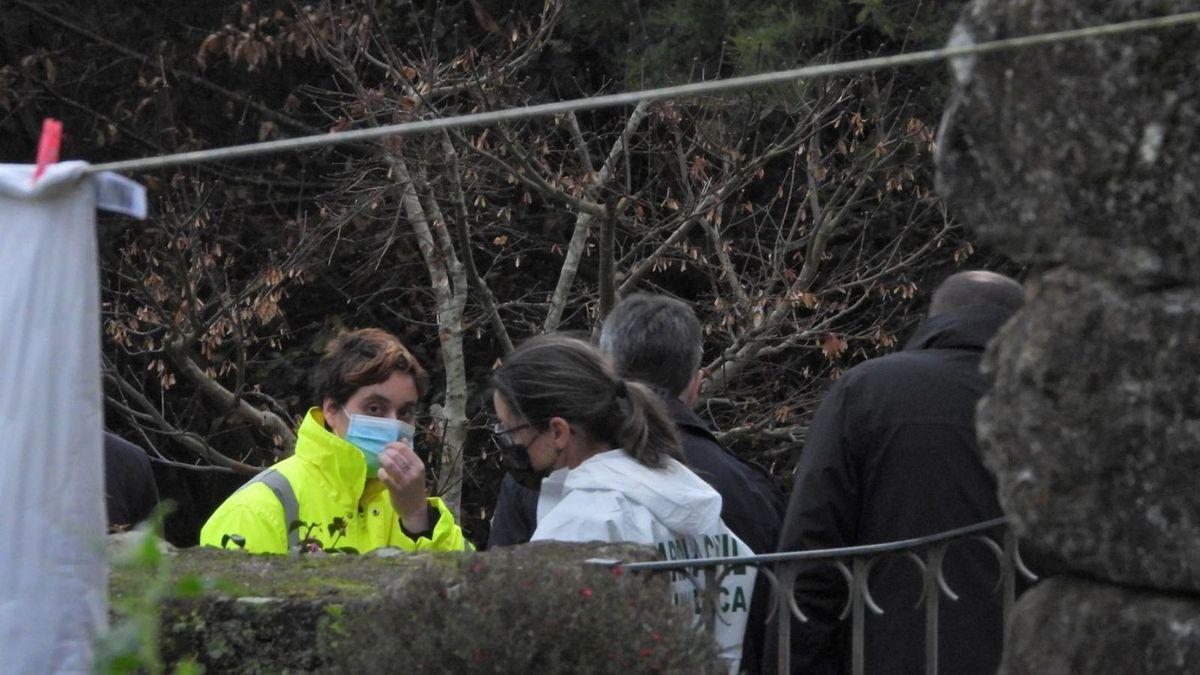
{"type": "Point", "coordinates": [1092, 426]}
{"type": "Point", "coordinates": [1080, 159]}
{"type": "Point", "coordinates": [532, 608]}
{"type": "Point", "coordinates": [1073, 625]}
{"type": "Point", "coordinates": [1083, 152]}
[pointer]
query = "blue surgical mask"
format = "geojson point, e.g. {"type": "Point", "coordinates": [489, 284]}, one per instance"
{"type": "Point", "coordinates": [369, 434]}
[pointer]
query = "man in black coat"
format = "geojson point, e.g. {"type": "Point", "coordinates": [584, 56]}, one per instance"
{"type": "Point", "coordinates": [892, 455]}
{"type": "Point", "coordinates": [657, 340]}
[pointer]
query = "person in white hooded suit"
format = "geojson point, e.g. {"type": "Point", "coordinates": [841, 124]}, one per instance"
{"type": "Point", "coordinates": [605, 453]}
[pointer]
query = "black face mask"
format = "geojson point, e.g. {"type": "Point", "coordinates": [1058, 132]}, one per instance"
{"type": "Point", "coordinates": [515, 459]}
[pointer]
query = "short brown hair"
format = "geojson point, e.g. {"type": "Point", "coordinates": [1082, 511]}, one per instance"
{"type": "Point", "coordinates": [359, 359]}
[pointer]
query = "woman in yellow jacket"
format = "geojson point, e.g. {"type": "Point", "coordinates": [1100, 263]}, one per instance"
{"type": "Point", "coordinates": [371, 492]}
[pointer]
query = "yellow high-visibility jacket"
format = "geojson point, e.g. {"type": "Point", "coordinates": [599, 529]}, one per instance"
{"type": "Point", "coordinates": [329, 478]}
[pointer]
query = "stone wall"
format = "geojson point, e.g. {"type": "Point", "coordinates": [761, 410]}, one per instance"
{"type": "Point", "coordinates": [1082, 160]}
{"type": "Point", "coordinates": [534, 608]}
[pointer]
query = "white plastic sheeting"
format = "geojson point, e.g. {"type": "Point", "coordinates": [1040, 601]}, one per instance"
{"type": "Point", "coordinates": [53, 580]}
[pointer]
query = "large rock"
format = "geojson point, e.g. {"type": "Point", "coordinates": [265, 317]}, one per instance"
{"type": "Point", "coordinates": [1068, 625]}
{"type": "Point", "coordinates": [1092, 426]}
{"type": "Point", "coordinates": [1084, 152]}
{"type": "Point", "coordinates": [535, 608]}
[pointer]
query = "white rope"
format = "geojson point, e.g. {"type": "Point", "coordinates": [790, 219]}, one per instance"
{"type": "Point", "coordinates": [633, 97]}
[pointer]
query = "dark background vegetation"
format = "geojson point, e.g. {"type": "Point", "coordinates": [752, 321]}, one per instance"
{"type": "Point", "coordinates": [800, 221]}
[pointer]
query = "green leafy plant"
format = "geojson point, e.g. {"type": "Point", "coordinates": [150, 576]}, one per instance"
{"type": "Point", "coordinates": [311, 544]}
{"type": "Point", "coordinates": [132, 644]}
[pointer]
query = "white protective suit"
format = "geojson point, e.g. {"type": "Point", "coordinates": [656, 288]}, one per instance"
{"type": "Point", "coordinates": [611, 497]}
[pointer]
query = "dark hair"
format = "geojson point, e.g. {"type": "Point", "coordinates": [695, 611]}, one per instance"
{"type": "Point", "coordinates": [977, 287]}
{"type": "Point", "coordinates": [655, 339]}
{"type": "Point", "coordinates": [559, 376]}
{"type": "Point", "coordinates": [361, 358]}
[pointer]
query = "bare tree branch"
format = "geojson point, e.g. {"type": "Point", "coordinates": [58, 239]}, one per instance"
{"type": "Point", "coordinates": [279, 429]}
{"type": "Point", "coordinates": [581, 147]}
{"type": "Point", "coordinates": [606, 272]}
{"type": "Point", "coordinates": [583, 221]}
{"type": "Point", "coordinates": [263, 110]}
{"type": "Point", "coordinates": [464, 240]}
{"type": "Point", "coordinates": [728, 273]}
{"type": "Point", "coordinates": [193, 442]}
{"type": "Point", "coordinates": [448, 277]}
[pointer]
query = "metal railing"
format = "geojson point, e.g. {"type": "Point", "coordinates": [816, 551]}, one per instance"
{"type": "Point", "coordinates": [855, 564]}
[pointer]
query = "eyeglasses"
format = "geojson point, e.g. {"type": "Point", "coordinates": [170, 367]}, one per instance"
{"type": "Point", "coordinates": [504, 436]}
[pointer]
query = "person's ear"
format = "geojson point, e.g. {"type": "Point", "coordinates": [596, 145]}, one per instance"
{"type": "Point", "coordinates": [336, 419]}
{"type": "Point", "coordinates": [561, 430]}
{"type": "Point", "coordinates": [692, 391]}
{"type": "Point", "coordinates": [329, 408]}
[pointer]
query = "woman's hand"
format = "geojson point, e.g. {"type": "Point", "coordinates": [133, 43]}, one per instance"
{"type": "Point", "coordinates": [404, 475]}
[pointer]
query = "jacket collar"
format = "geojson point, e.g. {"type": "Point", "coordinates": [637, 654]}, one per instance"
{"type": "Point", "coordinates": [677, 497]}
{"type": "Point", "coordinates": [337, 461]}
{"type": "Point", "coordinates": [684, 416]}
{"type": "Point", "coordinates": [970, 327]}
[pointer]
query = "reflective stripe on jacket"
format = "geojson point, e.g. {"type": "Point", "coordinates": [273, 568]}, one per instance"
{"type": "Point", "coordinates": [329, 477]}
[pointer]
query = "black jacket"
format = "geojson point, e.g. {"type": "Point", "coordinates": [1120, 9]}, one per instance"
{"type": "Point", "coordinates": [891, 455]}
{"type": "Point", "coordinates": [130, 494]}
{"type": "Point", "coordinates": [751, 507]}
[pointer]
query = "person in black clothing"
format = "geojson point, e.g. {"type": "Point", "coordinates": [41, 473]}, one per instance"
{"type": "Point", "coordinates": [130, 493]}
{"type": "Point", "coordinates": [892, 455]}
{"type": "Point", "coordinates": [657, 340]}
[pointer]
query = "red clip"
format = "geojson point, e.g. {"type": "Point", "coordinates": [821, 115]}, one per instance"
{"type": "Point", "coordinates": [48, 146]}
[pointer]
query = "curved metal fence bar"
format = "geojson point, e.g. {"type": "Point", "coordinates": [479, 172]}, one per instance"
{"type": "Point", "coordinates": [816, 554]}
{"type": "Point", "coordinates": [854, 563]}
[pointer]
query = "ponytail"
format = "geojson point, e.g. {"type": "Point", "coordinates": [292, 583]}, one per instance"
{"type": "Point", "coordinates": [558, 376]}
{"type": "Point", "coordinates": [647, 434]}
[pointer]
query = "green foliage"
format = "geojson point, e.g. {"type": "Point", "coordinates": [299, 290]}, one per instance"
{"type": "Point", "coordinates": [533, 608]}
{"type": "Point", "coordinates": [771, 38]}
{"type": "Point", "coordinates": [920, 23]}
{"type": "Point", "coordinates": [312, 544]}
{"type": "Point", "coordinates": [132, 644]}
{"type": "Point", "coordinates": [683, 40]}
